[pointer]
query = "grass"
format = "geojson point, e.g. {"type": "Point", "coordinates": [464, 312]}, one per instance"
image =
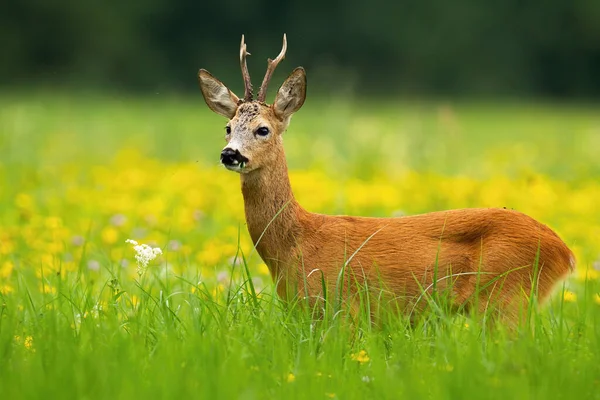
{"type": "Point", "coordinates": [80, 175]}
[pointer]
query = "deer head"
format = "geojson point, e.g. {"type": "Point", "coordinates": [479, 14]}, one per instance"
{"type": "Point", "coordinates": [254, 130]}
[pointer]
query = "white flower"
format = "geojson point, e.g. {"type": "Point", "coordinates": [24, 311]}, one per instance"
{"type": "Point", "coordinates": [93, 265]}
{"type": "Point", "coordinates": [144, 254]}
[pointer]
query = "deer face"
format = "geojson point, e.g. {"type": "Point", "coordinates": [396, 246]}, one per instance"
{"type": "Point", "coordinates": [253, 137]}
{"type": "Point", "coordinates": [254, 130]}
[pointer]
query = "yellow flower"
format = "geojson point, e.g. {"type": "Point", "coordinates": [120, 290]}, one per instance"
{"type": "Point", "coordinates": [110, 235]}
{"type": "Point", "coordinates": [5, 288]}
{"type": "Point", "coordinates": [592, 274]}
{"type": "Point", "coordinates": [569, 296]}
{"type": "Point", "coordinates": [47, 289]}
{"type": "Point", "coordinates": [47, 260]}
{"type": "Point", "coordinates": [216, 250]}
{"type": "Point", "coordinates": [263, 269]}
{"type": "Point", "coordinates": [28, 343]}
{"type": "Point", "coordinates": [54, 247]}
{"type": "Point", "coordinates": [6, 247]}
{"type": "Point", "coordinates": [362, 357]}
{"type": "Point", "coordinates": [291, 378]}
{"type": "Point", "coordinates": [135, 301]}
{"type": "Point", "coordinates": [588, 274]}
{"type": "Point", "coordinates": [186, 250]}
{"type": "Point", "coordinates": [330, 395]}
{"type": "Point", "coordinates": [6, 269]}
{"type": "Point", "coordinates": [597, 298]}
{"type": "Point", "coordinates": [53, 222]}
{"type": "Point", "coordinates": [24, 201]}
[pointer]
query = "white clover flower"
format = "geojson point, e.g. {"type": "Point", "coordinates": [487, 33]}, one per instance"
{"type": "Point", "coordinates": [144, 254]}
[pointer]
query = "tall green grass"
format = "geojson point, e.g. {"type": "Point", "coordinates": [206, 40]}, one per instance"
{"type": "Point", "coordinates": [90, 334]}
{"type": "Point", "coordinates": [241, 343]}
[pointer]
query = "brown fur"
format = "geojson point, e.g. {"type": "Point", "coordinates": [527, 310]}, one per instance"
{"type": "Point", "coordinates": [478, 255]}
{"type": "Point", "coordinates": [493, 250]}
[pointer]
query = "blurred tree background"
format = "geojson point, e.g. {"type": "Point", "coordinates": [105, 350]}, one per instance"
{"type": "Point", "coordinates": [435, 47]}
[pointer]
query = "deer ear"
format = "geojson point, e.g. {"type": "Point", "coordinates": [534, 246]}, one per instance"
{"type": "Point", "coordinates": [291, 94]}
{"type": "Point", "coordinates": [218, 98]}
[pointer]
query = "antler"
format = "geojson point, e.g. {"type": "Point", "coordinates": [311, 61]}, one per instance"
{"type": "Point", "coordinates": [272, 64]}
{"type": "Point", "coordinates": [247, 84]}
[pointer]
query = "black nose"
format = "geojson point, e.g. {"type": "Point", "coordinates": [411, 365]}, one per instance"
{"type": "Point", "coordinates": [232, 157]}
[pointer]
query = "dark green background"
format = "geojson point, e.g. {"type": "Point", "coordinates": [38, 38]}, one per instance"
{"type": "Point", "coordinates": [435, 47]}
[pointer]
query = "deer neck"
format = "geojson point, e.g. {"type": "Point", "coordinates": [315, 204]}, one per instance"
{"type": "Point", "coordinates": [272, 213]}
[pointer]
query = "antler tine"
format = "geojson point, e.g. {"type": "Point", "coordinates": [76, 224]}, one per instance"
{"type": "Point", "coordinates": [245, 74]}
{"type": "Point", "coordinates": [272, 64]}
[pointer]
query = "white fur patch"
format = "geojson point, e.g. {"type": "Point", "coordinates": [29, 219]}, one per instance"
{"type": "Point", "coordinates": [235, 144]}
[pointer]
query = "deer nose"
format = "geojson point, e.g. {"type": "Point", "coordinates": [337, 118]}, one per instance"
{"type": "Point", "coordinates": [232, 157]}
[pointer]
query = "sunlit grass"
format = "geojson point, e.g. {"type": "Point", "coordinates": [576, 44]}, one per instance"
{"type": "Point", "coordinates": [80, 176]}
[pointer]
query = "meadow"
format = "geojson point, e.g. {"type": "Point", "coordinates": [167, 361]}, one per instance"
{"type": "Point", "coordinates": [81, 174]}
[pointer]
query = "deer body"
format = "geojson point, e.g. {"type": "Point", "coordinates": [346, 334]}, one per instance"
{"type": "Point", "coordinates": [503, 251]}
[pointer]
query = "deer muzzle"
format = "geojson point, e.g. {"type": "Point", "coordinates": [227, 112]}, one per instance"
{"type": "Point", "coordinates": [233, 158]}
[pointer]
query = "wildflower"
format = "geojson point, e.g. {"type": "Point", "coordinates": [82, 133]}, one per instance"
{"type": "Point", "coordinates": [330, 395]}
{"type": "Point", "coordinates": [93, 265]}
{"type": "Point", "coordinates": [362, 357]}
{"type": "Point", "coordinates": [569, 296]}
{"type": "Point", "coordinates": [597, 298]}
{"type": "Point", "coordinates": [6, 289]}
{"type": "Point", "coordinates": [144, 254]}
{"type": "Point", "coordinates": [174, 245]}
{"type": "Point", "coordinates": [223, 277]}
{"type": "Point", "coordinates": [53, 222]}
{"type": "Point", "coordinates": [588, 274]}
{"type": "Point", "coordinates": [109, 235]}
{"type": "Point", "coordinates": [592, 274]}
{"type": "Point", "coordinates": [47, 289]}
{"type": "Point", "coordinates": [118, 220]}
{"type": "Point", "coordinates": [6, 247]}
{"type": "Point", "coordinates": [263, 269]}
{"type": "Point", "coordinates": [28, 343]}
{"type": "Point", "coordinates": [135, 301]}
{"type": "Point", "coordinates": [291, 378]}
{"type": "Point", "coordinates": [198, 215]}
{"type": "Point", "coordinates": [24, 201]}
{"type": "Point", "coordinates": [77, 240]}
{"type": "Point", "coordinates": [6, 269]}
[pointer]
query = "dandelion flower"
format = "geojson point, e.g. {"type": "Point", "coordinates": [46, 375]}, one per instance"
{"type": "Point", "coordinates": [569, 296]}
{"type": "Point", "coordinates": [362, 357]}
{"type": "Point", "coordinates": [143, 255]}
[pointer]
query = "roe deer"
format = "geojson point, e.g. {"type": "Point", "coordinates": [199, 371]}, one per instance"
{"type": "Point", "coordinates": [473, 253]}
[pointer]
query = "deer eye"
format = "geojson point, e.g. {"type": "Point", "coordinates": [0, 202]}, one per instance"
{"type": "Point", "coordinates": [262, 131]}
{"type": "Point", "coordinates": [228, 130]}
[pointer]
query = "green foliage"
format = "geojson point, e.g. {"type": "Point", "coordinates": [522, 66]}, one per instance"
{"type": "Point", "coordinates": [539, 47]}
{"type": "Point", "coordinates": [162, 337]}
{"type": "Point", "coordinates": [79, 175]}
